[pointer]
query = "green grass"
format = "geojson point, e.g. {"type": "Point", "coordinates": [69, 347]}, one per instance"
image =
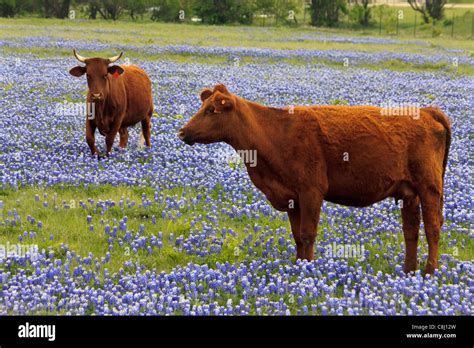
{"type": "Point", "coordinates": [395, 64]}
{"type": "Point", "coordinates": [440, 31]}
{"type": "Point", "coordinates": [69, 226]}
{"type": "Point", "coordinates": [145, 33]}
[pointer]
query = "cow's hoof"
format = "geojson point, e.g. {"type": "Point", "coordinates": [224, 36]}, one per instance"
{"type": "Point", "coordinates": [410, 266]}
{"type": "Point", "coordinates": [100, 156]}
{"type": "Point", "coordinates": [430, 268]}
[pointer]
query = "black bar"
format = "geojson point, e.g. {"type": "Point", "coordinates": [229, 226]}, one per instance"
{"type": "Point", "coordinates": [194, 331]}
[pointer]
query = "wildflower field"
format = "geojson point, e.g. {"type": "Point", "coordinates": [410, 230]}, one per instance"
{"type": "Point", "coordinates": [181, 230]}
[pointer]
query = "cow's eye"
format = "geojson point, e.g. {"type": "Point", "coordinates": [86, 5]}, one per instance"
{"type": "Point", "coordinates": [210, 110]}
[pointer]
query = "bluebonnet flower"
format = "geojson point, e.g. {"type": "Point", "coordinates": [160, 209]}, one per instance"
{"type": "Point", "coordinates": [327, 285]}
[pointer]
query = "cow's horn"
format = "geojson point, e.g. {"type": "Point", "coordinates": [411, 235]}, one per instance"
{"type": "Point", "coordinates": [114, 59]}
{"type": "Point", "coordinates": [78, 57]}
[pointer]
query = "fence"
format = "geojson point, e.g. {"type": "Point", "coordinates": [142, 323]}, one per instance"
{"type": "Point", "coordinates": [388, 20]}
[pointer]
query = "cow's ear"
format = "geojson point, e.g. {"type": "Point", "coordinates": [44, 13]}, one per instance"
{"type": "Point", "coordinates": [221, 88]}
{"type": "Point", "coordinates": [115, 70]}
{"type": "Point", "coordinates": [205, 94]}
{"type": "Point", "coordinates": [222, 103]}
{"type": "Point", "coordinates": [78, 71]}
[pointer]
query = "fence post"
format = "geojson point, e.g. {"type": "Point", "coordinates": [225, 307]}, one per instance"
{"type": "Point", "coordinates": [414, 30]}
{"type": "Point", "coordinates": [304, 12]}
{"type": "Point", "coordinates": [398, 21]}
{"type": "Point", "coordinates": [452, 26]}
{"type": "Point", "coordinates": [380, 24]}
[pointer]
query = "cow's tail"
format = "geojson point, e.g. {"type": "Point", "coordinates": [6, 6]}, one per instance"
{"type": "Point", "coordinates": [442, 118]}
{"type": "Point", "coordinates": [141, 141]}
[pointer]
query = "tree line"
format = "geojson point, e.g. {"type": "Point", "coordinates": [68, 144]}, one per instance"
{"type": "Point", "coordinates": [320, 12]}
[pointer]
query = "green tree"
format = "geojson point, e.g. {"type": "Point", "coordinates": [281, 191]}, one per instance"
{"type": "Point", "coordinates": [285, 10]}
{"type": "Point", "coordinates": [326, 12]}
{"type": "Point", "coordinates": [224, 11]}
{"type": "Point", "coordinates": [264, 8]}
{"type": "Point", "coordinates": [93, 8]}
{"type": "Point", "coordinates": [436, 8]}
{"type": "Point", "coordinates": [111, 9]}
{"type": "Point", "coordinates": [361, 12]}
{"type": "Point", "coordinates": [429, 8]}
{"type": "Point", "coordinates": [169, 10]}
{"type": "Point", "coordinates": [56, 8]}
{"type": "Point", "coordinates": [8, 8]}
{"type": "Point", "coordinates": [136, 8]}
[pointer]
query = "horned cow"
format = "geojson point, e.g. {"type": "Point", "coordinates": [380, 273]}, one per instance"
{"type": "Point", "coordinates": [121, 96]}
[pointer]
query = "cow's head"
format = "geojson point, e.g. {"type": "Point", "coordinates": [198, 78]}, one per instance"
{"type": "Point", "coordinates": [214, 120]}
{"type": "Point", "coordinates": [97, 71]}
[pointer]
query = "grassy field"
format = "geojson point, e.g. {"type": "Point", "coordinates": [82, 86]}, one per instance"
{"type": "Point", "coordinates": [64, 221]}
{"type": "Point", "coordinates": [462, 18]}
{"type": "Point", "coordinates": [143, 34]}
{"type": "Point", "coordinates": [81, 218]}
{"type": "Point", "coordinates": [148, 32]}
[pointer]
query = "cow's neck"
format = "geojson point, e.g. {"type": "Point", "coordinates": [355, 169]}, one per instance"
{"type": "Point", "coordinates": [99, 112]}
{"type": "Point", "coordinates": [257, 126]}
{"type": "Point", "coordinates": [261, 129]}
{"type": "Point", "coordinates": [111, 106]}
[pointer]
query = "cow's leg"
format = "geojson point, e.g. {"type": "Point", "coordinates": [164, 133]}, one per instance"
{"type": "Point", "coordinates": [110, 137]}
{"type": "Point", "coordinates": [310, 206]}
{"type": "Point", "coordinates": [146, 130]}
{"type": "Point", "coordinates": [123, 137]}
{"type": "Point", "coordinates": [294, 216]}
{"type": "Point", "coordinates": [411, 228]}
{"type": "Point", "coordinates": [90, 131]}
{"type": "Point", "coordinates": [432, 218]}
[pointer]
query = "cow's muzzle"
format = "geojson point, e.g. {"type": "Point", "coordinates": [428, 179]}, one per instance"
{"type": "Point", "coordinates": [184, 136]}
{"type": "Point", "coordinates": [96, 97]}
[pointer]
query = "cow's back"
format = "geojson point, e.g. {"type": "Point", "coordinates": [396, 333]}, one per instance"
{"type": "Point", "coordinates": [369, 152]}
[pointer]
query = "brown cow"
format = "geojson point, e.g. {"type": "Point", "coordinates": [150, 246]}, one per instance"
{"type": "Point", "coordinates": [350, 155]}
{"type": "Point", "coordinates": [121, 96]}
